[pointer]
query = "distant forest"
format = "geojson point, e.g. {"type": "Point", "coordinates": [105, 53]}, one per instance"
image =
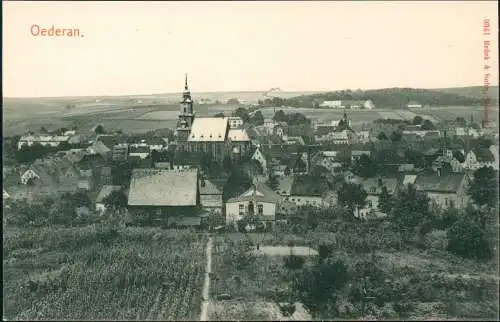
{"type": "Point", "coordinates": [388, 98]}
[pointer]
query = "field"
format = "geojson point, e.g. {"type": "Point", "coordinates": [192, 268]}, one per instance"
{"type": "Point", "coordinates": [137, 114]}
{"type": "Point", "coordinates": [93, 273]}
{"type": "Point", "coordinates": [255, 286]}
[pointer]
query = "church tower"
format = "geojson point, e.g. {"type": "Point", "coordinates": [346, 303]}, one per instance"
{"type": "Point", "coordinates": [186, 115]}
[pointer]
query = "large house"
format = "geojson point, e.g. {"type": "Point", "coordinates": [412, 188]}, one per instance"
{"type": "Point", "coordinates": [307, 190]}
{"type": "Point", "coordinates": [444, 189]}
{"type": "Point", "coordinates": [373, 188]}
{"type": "Point", "coordinates": [258, 202]}
{"type": "Point", "coordinates": [165, 195]}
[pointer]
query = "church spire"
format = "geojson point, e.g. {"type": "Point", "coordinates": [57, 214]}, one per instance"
{"type": "Point", "coordinates": [186, 82]}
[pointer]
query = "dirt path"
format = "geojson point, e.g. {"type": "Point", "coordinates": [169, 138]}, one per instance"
{"type": "Point", "coordinates": [206, 284]}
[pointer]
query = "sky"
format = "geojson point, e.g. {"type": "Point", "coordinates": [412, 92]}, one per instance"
{"type": "Point", "coordinates": [132, 48]}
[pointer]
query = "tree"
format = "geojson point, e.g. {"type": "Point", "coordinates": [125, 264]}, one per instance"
{"type": "Point", "coordinates": [384, 200]}
{"type": "Point", "coordinates": [220, 114]}
{"type": "Point", "coordinates": [318, 284]}
{"type": "Point", "coordinates": [43, 130]}
{"type": "Point", "coordinates": [227, 164]}
{"type": "Point", "coordinates": [242, 113]}
{"type": "Point", "coordinates": [233, 101]}
{"type": "Point", "coordinates": [483, 189]}
{"type": "Point", "coordinates": [484, 143]}
{"type": "Point", "coordinates": [466, 239]}
{"type": "Point", "coordinates": [258, 118]}
{"type": "Point", "coordinates": [411, 209]}
{"type": "Point", "coordinates": [116, 200]}
{"type": "Point", "coordinates": [382, 137]}
{"type": "Point", "coordinates": [417, 120]}
{"type": "Point", "coordinates": [99, 129]}
{"type": "Point", "coordinates": [273, 182]}
{"type": "Point", "coordinates": [428, 125]}
{"type": "Point", "coordinates": [280, 116]}
{"type": "Point", "coordinates": [352, 196]}
{"type": "Point", "coordinates": [396, 136]}
{"type": "Point", "coordinates": [365, 167]}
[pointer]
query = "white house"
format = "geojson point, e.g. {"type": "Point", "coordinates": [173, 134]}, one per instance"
{"type": "Point", "coordinates": [235, 122]}
{"type": "Point", "coordinates": [141, 151]}
{"type": "Point", "coordinates": [413, 104]}
{"type": "Point", "coordinates": [331, 104]}
{"type": "Point", "coordinates": [258, 202]}
{"type": "Point", "coordinates": [480, 157]}
{"type": "Point", "coordinates": [45, 140]}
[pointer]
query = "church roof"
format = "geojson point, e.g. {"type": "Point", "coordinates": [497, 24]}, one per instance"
{"type": "Point", "coordinates": [208, 129]}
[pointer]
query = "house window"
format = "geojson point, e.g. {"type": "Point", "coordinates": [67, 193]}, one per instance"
{"type": "Point", "coordinates": [241, 209]}
{"type": "Point", "coordinates": [370, 204]}
{"type": "Point", "coordinates": [260, 209]}
{"type": "Point", "coordinates": [372, 189]}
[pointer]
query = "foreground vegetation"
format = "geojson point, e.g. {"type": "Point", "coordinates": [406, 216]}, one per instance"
{"type": "Point", "coordinates": [363, 270]}
{"type": "Point", "coordinates": [99, 272]}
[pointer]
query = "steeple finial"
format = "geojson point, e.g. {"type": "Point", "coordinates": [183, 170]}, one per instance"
{"type": "Point", "coordinates": [186, 82]}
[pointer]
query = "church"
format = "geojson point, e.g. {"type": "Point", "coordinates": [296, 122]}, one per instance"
{"type": "Point", "coordinates": [211, 135]}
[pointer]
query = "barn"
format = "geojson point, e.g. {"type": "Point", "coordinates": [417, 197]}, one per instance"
{"type": "Point", "coordinates": [165, 196]}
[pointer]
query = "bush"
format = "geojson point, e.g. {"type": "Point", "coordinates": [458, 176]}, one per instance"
{"type": "Point", "coordinates": [436, 240]}
{"type": "Point", "coordinates": [466, 239]}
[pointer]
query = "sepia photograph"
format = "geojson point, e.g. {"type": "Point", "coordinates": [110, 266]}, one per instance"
{"type": "Point", "coordinates": [250, 161]}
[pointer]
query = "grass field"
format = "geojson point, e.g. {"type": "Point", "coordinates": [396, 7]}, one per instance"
{"type": "Point", "coordinates": [92, 274]}
{"type": "Point", "coordinates": [161, 111]}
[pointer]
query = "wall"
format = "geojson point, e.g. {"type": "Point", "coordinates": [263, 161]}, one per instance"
{"type": "Point", "coordinates": [307, 200]}
{"type": "Point", "coordinates": [233, 212]}
{"type": "Point", "coordinates": [459, 201]}
{"type": "Point", "coordinates": [211, 201]}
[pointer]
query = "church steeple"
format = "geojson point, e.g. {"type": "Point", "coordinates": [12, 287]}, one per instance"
{"type": "Point", "coordinates": [186, 115]}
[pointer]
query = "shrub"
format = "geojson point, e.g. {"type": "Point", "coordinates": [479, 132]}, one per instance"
{"type": "Point", "coordinates": [436, 240]}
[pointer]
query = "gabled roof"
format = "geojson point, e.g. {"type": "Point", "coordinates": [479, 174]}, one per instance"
{"type": "Point", "coordinates": [483, 155]}
{"type": "Point", "coordinates": [106, 191]}
{"type": "Point", "coordinates": [259, 192]}
{"type": "Point", "coordinates": [374, 187]}
{"type": "Point", "coordinates": [162, 187]}
{"type": "Point", "coordinates": [432, 182]}
{"type": "Point", "coordinates": [108, 140]}
{"type": "Point", "coordinates": [238, 135]}
{"type": "Point", "coordinates": [208, 188]}
{"type": "Point", "coordinates": [308, 186]}
{"type": "Point", "coordinates": [208, 129]}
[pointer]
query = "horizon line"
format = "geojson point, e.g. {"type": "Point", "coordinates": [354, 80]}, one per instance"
{"type": "Point", "coordinates": [247, 91]}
